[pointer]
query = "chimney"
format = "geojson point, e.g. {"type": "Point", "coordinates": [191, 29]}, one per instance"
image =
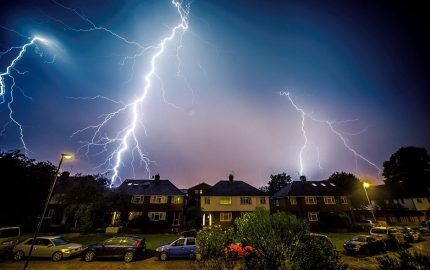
{"type": "Point", "coordinates": [157, 177]}
{"type": "Point", "coordinates": [230, 178]}
{"type": "Point", "coordinates": [303, 179]}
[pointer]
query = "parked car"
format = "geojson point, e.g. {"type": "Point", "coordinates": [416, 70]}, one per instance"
{"type": "Point", "coordinates": [55, 247]}
{"type": "Point", "coordinates": [184, 247]}
{"type": "Point", "coordinates": [9, 237]}
{"type": "Point", "coordinates": [365, 224]}
{"type": "Point", "coordinates": [365, 244]}
{"type": "Point", "coordinates": [410, 235]}
{"type": "Point", "coordinates": [126, 247]}
{"type": "Point", "coordinates": [425, 227]}
{"type": "Point", "coordinates": [391, 236]}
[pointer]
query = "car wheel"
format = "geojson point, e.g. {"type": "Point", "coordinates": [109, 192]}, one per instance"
{"type": "Point", "coordinates": [192, 256]}
{"type": "Point", "coordinates": [163, 256]}
{"type": "Point", "coordinates": [19, 255]}
{"type": "Point", "coordinates": [57, 256]}
{"type": "Point", "coordinates": [128, 256]}
{"type": "Point", "coordinates": [89, 256]}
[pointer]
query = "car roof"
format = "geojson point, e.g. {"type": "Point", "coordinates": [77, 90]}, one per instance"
{"type": "Point", "coordinates": [5, 228]}
{"type": "Point", "coordinates": [46, 237]}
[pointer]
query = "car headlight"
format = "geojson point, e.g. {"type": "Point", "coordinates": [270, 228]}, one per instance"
{"type": "Point", "coordinates": [65, 250]}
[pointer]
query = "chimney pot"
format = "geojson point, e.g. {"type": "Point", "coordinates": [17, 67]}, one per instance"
{"type": "Point", "coordinates": [157, 177]}
{"type": "Point", "coordinates": [303, 179]}
{"type": "Point", "coordinates": [230, 178]}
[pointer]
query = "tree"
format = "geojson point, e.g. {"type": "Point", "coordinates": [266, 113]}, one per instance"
{"type": "Point", "coordinates": [25, 184]}
{"type": "Point", "coordinates": [409, 166]}
{"type": "Point", "coordinates": [276, 183]}
{"type": "Point", "coordinates": [351, 185]}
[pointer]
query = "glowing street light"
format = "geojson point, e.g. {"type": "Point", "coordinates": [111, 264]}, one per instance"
{"type": "Point", "coordinates": [365, 186]}
{"type": "Point", "coordinates": [48, 198]}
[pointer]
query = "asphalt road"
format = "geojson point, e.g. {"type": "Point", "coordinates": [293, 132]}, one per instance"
{"type": "Point", "coordinates": [355, 262]}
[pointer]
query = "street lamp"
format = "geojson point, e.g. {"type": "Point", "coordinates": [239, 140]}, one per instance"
{"type": "Point", "coordinates": [48, 198]}
{"type": "Point", "coordinates": [365, 186]}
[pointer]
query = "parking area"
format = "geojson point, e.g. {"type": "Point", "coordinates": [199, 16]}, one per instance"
{"type": "Point", "coordinates": [149, 263]}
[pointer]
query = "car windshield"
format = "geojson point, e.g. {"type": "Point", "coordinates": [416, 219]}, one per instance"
{"type": "Point", "coordinates": [60, 241]}
{"type": "Point", "coordinates": [359, 238]}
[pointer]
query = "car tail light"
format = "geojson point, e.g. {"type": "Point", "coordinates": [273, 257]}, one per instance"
{"type": "Point", "coordinates": [138, 244]}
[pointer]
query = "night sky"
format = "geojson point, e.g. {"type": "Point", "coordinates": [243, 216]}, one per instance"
{"type": "Point", "coordinates": [365, 61]}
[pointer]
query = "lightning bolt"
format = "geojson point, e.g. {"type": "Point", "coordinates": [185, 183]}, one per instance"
{"type": "Point", "coordinates": [9, 73]}
{"type": "Point", "coordinates": [126, 139]}
{"type": "Point", "coordinates": [332, 128]}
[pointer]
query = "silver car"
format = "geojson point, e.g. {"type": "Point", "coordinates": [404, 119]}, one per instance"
{"type": "Point", "coordinates": [54, 247]}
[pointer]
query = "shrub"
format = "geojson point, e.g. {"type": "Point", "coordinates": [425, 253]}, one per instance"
{"type": "Point", "coordinates": [404, 260]}
{"type": "Point", "coordinates": [315, 253]}
{"type": "Point", "coordinates": [212, 243]}
{"type": "Point", "coordinates": [271, 235]}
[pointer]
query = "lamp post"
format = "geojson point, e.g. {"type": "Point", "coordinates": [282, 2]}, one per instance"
{"type": "Point", "coordinates": [365, 186]}
{"type": "Point", "coordinates": [48, 198]}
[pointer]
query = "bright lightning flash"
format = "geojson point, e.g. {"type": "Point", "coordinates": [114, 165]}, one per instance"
{"type": "Point", "coordinates": [330, 124]}
{"type": "Point", "coordinates": [9, 72]}
{"type": "Point", "coordinates": [126, 139]}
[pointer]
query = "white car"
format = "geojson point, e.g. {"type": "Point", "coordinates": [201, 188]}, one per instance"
{"type": "Point", "coordinates": [54, 247]}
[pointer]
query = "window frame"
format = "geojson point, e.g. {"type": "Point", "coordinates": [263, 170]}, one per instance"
{"type": "Point", "coordinates": [293, 200]}
{"type": "Point", "coordinates": [223, 214]}
{"type": "Point", "coordinates": [263, 200]}
{"type": "Point", "coordinates": [329, 200]}
{"type": "Point", "coordinates": [137, 199]}
{"type": "Point", "coordinates": [311, 216]}
{"type": "Point", "coordinates": [343, 200]}
{"type": "Point", "coordinates": [309, 201]}
{"type": "Point", "coordinates": [245, 200]}
{"type": "Point", "coordinates": [225, 199]}
{"type": "Point", "coordinates": [207, 200]}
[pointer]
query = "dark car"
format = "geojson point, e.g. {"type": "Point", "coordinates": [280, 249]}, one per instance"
{"type": "Point", "coordinates": [365, 244]}
{"type": "Point", "coordinates": [411, 236]}
{"type": "Point", "coordinates": [125, 247]}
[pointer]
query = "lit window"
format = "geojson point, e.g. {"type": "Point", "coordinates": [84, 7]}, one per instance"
{"type": "Point", "coordinates": [50, 213]}
{"type": "Point", "coordinates": [313, 184]}
{"type": "Point", "coordinates": [225, 200]}
{"type": "Point", "coordinates": [311, 200]}
{"type": "Point", "coordinates": [225, 216]}
{"type": "Point", "coordinates": [293, 200]}
{"type": "Point", "coordinates": [244, 200]}
{"type": "Point", "coordinates": [313, 216]}
{"type": "Point", "coordinates": [207, 200]}
{"type": "Point", "coordinates": [343, 200]}
{"type": "Point", "coordinates": [137, 199]}
{"type": "Point", "coordinates": [332, 184]}
{"type": "Point", "coordinates": [158, 199]}
{"type": "Point", "coordinates": [329, 200]}
{"type": "Point", "coordinates": [262, 200]}
{"type": "Point", "coordinates": [322, 184]}
{"type": "Point", "coordinates": [156, 216]}
{"type": "Point", "coordinates": [177, 200]}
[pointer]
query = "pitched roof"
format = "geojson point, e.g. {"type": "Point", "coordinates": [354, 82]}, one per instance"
{"type": "Point", "coordinates": [233, 188]}
{"type": "Point", "coordinates": [149, 187]}
{"type": "Point", "coordinates": [202, 185]}
{"type": "Point", "coordinates": [310, 188]}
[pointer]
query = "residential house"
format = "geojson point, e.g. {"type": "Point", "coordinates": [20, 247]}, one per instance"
{"type": "Point", "coordinates": [397, 204]}
{"type": "Point", "coordinates": [322, 203]}
{"type": "Point", "coordinates": [229, 199]}
{"type": "Point", "coordinates": [154, 203]}
{"type": "Point", "coordinates": [195, 193]}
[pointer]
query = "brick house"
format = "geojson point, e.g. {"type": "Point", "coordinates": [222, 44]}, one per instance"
{"type": "Point", "coordinates": [317, 201]}
{"type": "Point", "coordinates": [154, 204]}
{"type": "Point", "coordinates": [194, 194]}
{"type": "Point", "coordinates": [229, 199]}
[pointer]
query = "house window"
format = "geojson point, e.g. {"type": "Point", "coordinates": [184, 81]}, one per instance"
{"type": "Point", "coordinates": [225, 200]}
{"type": "Point", "coordinates": [313, 216]}
{"type": "Point", "coordinates": [244, 200]}
{"type": "Point", "coordinates": [344, 200]}
{"type": "Point", "coordinates": [156, 216]}
{"type": "Point", "coordinates": [134, 215]}
{"type": "Point", "coordinates": [419, 200]}
{"type": "Point", "coordinates": [137, 199]}
{"type": "Point", "coordinates": [177, 200]}
{"type": "Point", "coordinates": [158, 199]}
{"type": "Point", "coordinates": [50, 213]}
{"type": "Point", "coordinates": [276, 202]}
{"type": "Point", "coordinates": [207, 200]}
{"type": "Point", "coordinates": [329, 200]}
{"type": "Point", "coordinates": [311, 200]}
{"type": "Point", "coordinates": [293, 200]}
{"type": "Point", "coordinates": [225, 217]}
{"type": "Point", "coordinates": [262, 200]}
{"type": "Point", "coordinates": [198, 191]}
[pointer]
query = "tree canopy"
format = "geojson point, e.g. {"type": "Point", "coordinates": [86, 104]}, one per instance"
{"type": "Point", "coordinates": [350, 184]}
{"type": "Point", "coordinates": [276, 183]}
{"type": "Point", "coordinates": [409, 166]}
